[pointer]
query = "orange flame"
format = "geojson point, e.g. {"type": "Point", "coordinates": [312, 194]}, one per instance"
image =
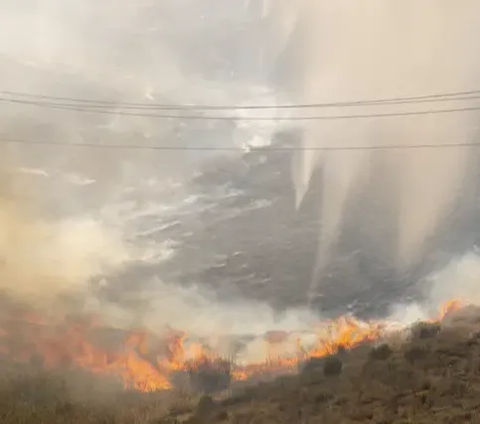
{"type": "Point", "coordinates": [143, 368]}
{"type": "Point", "coordinates": [449, 307]}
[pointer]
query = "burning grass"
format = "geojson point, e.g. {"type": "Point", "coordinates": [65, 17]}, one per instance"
{"type": "Point", "coordinates": [148, 363]}
{"type": "Point", "coordinates": [76, 371]}
{"type": "Point", "coordinates": [431, 376]}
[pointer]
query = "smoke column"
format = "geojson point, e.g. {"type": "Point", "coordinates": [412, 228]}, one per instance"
{"type": "Point", "coordinates": [348, 50]}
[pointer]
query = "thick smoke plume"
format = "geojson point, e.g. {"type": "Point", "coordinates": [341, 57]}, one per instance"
{"type": "Point", "coordinates": [348, 50]}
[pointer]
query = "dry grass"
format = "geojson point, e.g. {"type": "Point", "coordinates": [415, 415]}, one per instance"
{"type": "Point", "coordinates": [54, 398]}
{"type": "Point", "coordinates": [434, 377]}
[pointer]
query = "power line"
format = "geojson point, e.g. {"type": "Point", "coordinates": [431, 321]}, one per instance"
{"type": "Point", "coordinates": [123, 106]}
{"type": "Point", "coordinates": [239, 149]}
{"type": "Point", "coordinates": [437, 97]}
{"type": "Point", "coordinates": [238, 118]}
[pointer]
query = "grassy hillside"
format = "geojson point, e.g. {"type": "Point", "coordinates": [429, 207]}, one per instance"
{"type": "Point", "coordinates": [432, 376]}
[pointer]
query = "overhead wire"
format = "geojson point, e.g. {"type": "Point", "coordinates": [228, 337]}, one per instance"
{"type": "Point", "coordinates": [67, 107]}
{"type": "Point", "coordinates": [91, 107]}
{"type": "Point", "coordinates": [7, 140]}
{"type": "Point", "coordinates": [436, 97]}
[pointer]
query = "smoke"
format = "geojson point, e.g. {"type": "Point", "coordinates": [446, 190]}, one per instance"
{"type": "Point", "coordinates": [42, 259]}
{"type": "Point", "coordinates": [147, 52]}
{"type": "Point", "coordinates": [347, 51]}
{"type": "Point", "coordinates": [46, 262]}
{"type": "Point", "coordinates": [119, 51]}
{"type": "Point", "coordinates": [459, 279]}
{"type": "Point", "coordinates": [176, 52]}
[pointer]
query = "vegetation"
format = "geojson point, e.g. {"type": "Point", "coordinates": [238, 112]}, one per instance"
{"type": "Point", "coordinates": [433, 376]}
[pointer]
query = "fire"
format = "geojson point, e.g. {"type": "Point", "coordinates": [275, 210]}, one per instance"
{"type": "Point", "coordinates": [69, 346]}
{"type": "Point", "coordinates": [449, 307]}
{"type": "Point", "coordinates": [146, 363]}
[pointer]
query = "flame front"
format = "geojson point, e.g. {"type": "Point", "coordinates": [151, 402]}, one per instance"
{"type": "Point", "coordinates": [145, 363]}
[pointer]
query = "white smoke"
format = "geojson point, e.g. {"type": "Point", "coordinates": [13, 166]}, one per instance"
{"type": "Point", "coordinates": [143, 52]}
{"type": "Point", "coordinates": [42, 259]}
{"type": "Point", "coordinates": [348, 50]}
{"type": "Point", "coordinates": [458, 280]}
